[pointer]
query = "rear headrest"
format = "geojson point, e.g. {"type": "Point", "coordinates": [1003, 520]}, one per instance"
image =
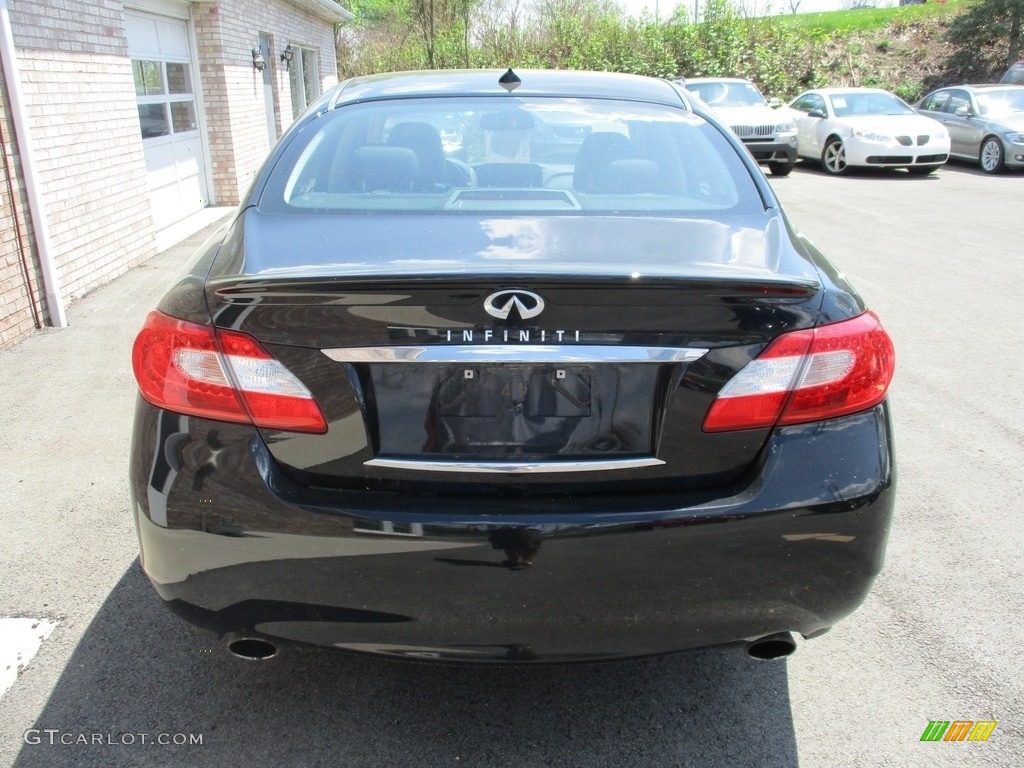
{"type": "Point", "coordinates": [425, 141]}
{"type": "Point", "coordinates": [384, 169]}
{"type": "Point", "coordinates": [624, 177]}
{"type": "Point", "coordinates": [595, 153]}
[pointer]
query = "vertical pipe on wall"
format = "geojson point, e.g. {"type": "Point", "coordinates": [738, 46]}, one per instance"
{"type": "Point", "coordinates": [26, 270]}
{"type": "Point", "coordinates": [48, 270]}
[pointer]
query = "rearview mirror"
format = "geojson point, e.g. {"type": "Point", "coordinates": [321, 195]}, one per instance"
{"type": "Point", "coordinates": [962, 112]}
{"type": "Point", "coordinates": [816, 113]}
{"type": "Point", "coordinates": [507, 120]}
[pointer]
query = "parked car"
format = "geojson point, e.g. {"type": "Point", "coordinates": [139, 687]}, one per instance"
{"type": "Point", "coordinates": [1015, 74]}
{"type": "Point", "coordinates": [844, 127]}
{"type": "Point", "coordinates": [985, 123]}
{"type": "Point", "coordinates": [499, 408]}
{"type": "Point", "coordinates": [770, 137]}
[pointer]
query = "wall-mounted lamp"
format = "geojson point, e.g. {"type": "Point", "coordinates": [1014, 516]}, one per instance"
{"type": "Point", "coordinates": [258, 62]}
{"type": "Point", "coordinates": [286, 55]}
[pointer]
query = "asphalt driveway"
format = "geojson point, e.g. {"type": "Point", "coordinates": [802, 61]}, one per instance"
{"type": "Point", "coordinates": [938, 639]}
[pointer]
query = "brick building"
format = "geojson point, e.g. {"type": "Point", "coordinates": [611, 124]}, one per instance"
{"type": "Point", "coordinates": [123, 119]}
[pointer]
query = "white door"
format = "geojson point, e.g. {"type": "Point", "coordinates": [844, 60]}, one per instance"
{"type": "Point", "coordinates": [166, 96]}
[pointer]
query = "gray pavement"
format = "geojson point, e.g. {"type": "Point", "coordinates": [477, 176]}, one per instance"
{"type": "Point", "coordinates": [65, 418]}
{"type": "Point", "coordinates": [939, 637]}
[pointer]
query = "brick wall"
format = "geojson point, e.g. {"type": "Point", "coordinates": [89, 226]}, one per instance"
{"type": "Point", "coordinates": [18, 296]}
{"type": "Point", "coordinates": [226, 33]}
{"type": "Point", "coordinates": [79, 95]}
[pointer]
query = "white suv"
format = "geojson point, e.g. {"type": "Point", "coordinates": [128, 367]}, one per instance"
{"type": "Point", "coordinates": [769, 136]}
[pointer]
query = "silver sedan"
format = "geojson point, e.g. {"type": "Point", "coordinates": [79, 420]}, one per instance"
{"type": "Point", "coordinates": [985, 123]}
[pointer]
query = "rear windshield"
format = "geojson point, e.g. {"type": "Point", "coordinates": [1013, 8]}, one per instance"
{"type": "Point", "coordinates": [727, 94]}
{"type": "Point", "coordinates": [509, 155]}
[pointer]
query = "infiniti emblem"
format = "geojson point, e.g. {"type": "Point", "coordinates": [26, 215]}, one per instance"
{"type": "Point", "coordinates": [501, 303]}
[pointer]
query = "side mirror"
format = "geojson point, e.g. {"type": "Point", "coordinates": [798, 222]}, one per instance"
{"type": "Point", "coordinates": [774, 102]}
{"type": "Point", "coordinates": [816, 113]}
{"type": "Point", "coordinates": [962, 112]}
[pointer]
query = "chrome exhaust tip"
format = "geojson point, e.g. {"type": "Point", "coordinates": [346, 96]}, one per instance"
{"type": "Point", "coordinates": [776, 646]}
{"type": "Point", "coordinates": [251, 648]}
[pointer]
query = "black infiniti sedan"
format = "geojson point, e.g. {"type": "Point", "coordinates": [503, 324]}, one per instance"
{"type": "Point", "coordinates": [525, 367]}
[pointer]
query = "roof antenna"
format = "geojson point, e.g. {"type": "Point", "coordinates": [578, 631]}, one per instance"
{"type": "Point", "coordinates": [510, 80]}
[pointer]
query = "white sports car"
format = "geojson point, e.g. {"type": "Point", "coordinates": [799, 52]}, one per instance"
{"type": "Point", "coordinates": [842, 127]}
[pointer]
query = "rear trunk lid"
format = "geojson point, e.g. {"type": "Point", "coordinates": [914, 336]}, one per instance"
{"type": "Point", "coordinates": [495, 355]}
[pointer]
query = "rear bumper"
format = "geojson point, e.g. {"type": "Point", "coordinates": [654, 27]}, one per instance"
{"type": "Point", "coordinates": [233, 546]}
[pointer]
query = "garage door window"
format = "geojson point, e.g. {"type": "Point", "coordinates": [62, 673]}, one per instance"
{"type": "Point", "coordinates": [304, 75]}
{"type": "Point", "coordinates": [166, 103]}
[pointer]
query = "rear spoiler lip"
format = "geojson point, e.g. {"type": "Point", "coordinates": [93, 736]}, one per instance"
{"type": "Point", "coordinates": [338, 288]}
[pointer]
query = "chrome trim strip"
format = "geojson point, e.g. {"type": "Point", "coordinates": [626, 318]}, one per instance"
{"type": "Point", "coordinates": [515, 467]}
{"type": "Point", "coordinates": [516, 353]}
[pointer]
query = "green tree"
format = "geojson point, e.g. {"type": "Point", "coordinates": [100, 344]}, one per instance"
{"type": "Point", "coordinates": [767, 50]}
{"type": "Point", "coordinates": [987, 36]}
{"type": "Point", "coordinates": [390, 35]}
{"type": "Point", "coordinates": [445, 27]}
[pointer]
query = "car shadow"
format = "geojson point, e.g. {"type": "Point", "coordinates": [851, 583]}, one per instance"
{"type": "Point", "coordinates": [866, 173]}
{"type": "Point", "coordinates": [140, 675]}
{"type": "Point", "coordinates": [970, 168]}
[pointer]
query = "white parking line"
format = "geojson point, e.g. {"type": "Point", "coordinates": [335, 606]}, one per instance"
{"type": "Point", "coordinates": [19, 641]}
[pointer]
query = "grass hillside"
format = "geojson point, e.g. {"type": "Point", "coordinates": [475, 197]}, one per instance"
{"type": "Point", "coordinates": [873, 19]}
{"type": "Point", "coordinates": [902, 49]}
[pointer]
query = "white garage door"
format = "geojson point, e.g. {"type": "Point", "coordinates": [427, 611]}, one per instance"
{"type": "Point", "coordinates": [166, 95]}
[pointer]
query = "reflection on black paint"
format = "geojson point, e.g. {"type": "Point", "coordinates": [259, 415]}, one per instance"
{"type": "Point", "coordinates": [520, 546]}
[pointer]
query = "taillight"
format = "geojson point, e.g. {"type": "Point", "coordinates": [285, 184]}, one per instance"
{"type": "Point", "coordinates": [809, 375]}
{"type": "Point", "coordinates": [226, 375]}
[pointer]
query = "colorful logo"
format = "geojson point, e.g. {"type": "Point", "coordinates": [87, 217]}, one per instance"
{"type": "Point", "coordinates": [958, 730]}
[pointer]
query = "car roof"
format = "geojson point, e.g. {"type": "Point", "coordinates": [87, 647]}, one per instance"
{"type": "Point", "coordinates": [717, 80]}
{"type": "Point", "coordinates": [857, 88]}
{"type": "Point", "coordinates": [982, 87]}
{"type": "Point", "coordinates": [534, 82]}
